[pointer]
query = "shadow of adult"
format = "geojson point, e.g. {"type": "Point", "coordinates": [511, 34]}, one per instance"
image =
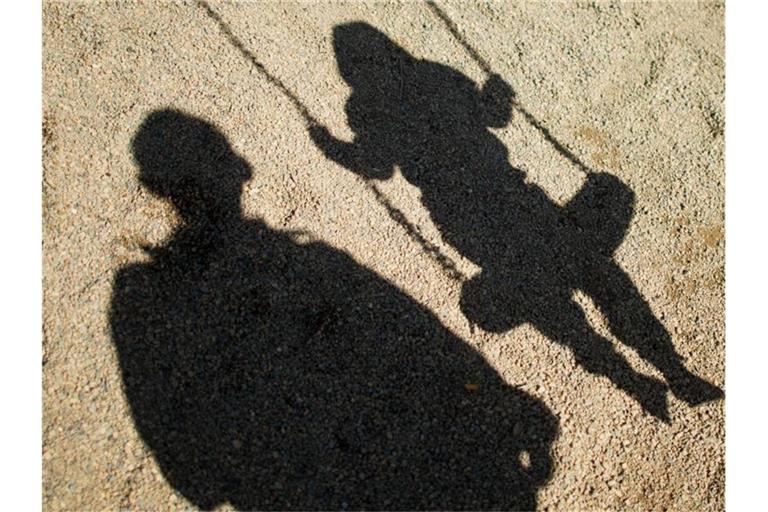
{"type": "Point", "coordinates": [432, 122]}
{"type": "Point", "coordinates": [274, 374]}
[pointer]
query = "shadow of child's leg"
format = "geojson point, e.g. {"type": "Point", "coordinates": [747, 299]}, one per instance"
{"type": "Point", "coordinates": [630, 318]}
{"type": "Point", "coordinates": [565, 323]}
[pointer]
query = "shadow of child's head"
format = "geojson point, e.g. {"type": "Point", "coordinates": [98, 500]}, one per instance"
{"type": "Point", "coordinates": [366, 57]}
{"type": "Point", "coordinates": [189, 161]}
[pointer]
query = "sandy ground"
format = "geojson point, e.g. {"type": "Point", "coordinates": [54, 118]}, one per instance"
{"type": "Point", "coordinates": [634, 90]}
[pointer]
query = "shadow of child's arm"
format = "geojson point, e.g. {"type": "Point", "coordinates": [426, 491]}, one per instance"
{"type": "Point", "coordinates": [355, 156]}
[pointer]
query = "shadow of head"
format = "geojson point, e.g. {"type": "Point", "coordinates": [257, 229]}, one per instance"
{"type": "Point", "coordinates": [426, 93]}
{"type": "Point", "coordinates": [365, 55]}
{"type": "Point", "coordinates": [189, 162]}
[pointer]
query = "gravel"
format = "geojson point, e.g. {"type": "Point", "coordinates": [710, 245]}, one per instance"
{"type": "Point", "coordinates": [631, 90]}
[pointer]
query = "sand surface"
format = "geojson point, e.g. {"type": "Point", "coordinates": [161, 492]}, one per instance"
{"type": "Point", "coordinates": [632, 90]}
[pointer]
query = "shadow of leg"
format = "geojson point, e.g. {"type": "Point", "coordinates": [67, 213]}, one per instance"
{"type": "Point", "coordinates": [565, 323]}
{"type": "Point", "coordinates": [631, 319]}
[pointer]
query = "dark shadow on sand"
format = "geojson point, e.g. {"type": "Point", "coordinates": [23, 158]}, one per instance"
{"type": "Point", "coordinates": [273, 374]}
{"type": "Point", "coordinates": [433, 123]}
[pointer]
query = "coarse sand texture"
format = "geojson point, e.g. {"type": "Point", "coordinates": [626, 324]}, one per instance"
{"type": "Point", "coordinates": [402, 255]}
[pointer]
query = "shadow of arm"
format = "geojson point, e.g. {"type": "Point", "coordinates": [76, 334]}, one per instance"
{"type": "Point", "coordinates": [354, 156]}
